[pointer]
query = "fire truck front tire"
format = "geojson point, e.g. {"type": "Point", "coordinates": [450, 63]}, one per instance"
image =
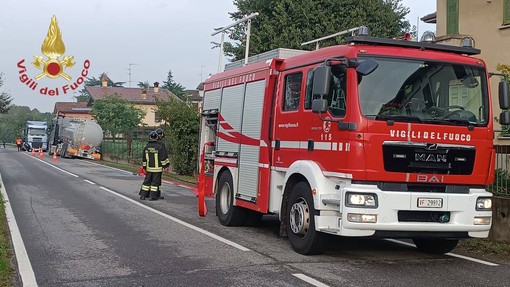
{"type": "Point", "coordinates": [436, 246]}
{"type": "Point", "coordinates": [300, 222]}
{"type": "Point", "coordinates": [228, 214]}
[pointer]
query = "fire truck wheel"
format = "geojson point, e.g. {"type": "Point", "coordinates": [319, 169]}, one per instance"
{"type": "Point", "coordinates": [228, 214]}
{"type": "Point", "coordinates": [300, 222]}
{"type": "Point", "coordinates": [436, 246]}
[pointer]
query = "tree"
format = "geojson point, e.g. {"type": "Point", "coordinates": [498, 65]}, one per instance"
{"type": "Point", "coordinates": [5, 98]}
{"type": "Point", "coordinates": [144, 85]}
{"type": "Point", "coordinates": [93, 82]}
{"type": "Point", "coordinates": [116, 115]}
{"type": "Point", "coordinates": [182, 124]}
{"type": "Point", "coordinates": [288, 23]}
{"type": "Point", "coordinates": [13, 122]}
{"type": "Point", "coordinates": [175, 88]}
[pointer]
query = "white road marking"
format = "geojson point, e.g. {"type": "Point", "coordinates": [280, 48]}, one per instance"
{"type": "Point", "coordinates": [88, 181]}
{"type": "Point", "coordinates": [472, 259]}
{"type": "Point", "coordinates": [64, 171]}
{"type": "Point", "coordinates": [25, 267]}
{"type": "Point", "coordinates": [118, 169]}
{"type": "Point", "coordinates": [205, 232]}
{"type": "Point", "coordinates": [310, 280]}
{"type": "Point", "coordinates": [449, 254]}
{"type": "Point", "coordinates": [401, 242]}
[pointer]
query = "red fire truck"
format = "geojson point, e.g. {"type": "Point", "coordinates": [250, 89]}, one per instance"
{"type": "Point", "coordinates": [377, 137]}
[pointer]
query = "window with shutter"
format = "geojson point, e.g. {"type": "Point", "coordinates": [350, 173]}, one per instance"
{"type": "Point", "coordinates": [506, 12]}
{"type": "Point", "coordinates": [452, 17]}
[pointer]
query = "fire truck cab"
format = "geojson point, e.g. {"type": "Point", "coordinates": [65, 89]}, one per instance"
{"type": "Point", "coordinates": [377, 137]}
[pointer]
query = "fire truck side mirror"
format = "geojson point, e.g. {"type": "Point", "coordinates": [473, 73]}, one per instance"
{"type": "Point", "coordinates": [319, 106]}
{"type": "Point", "coordinates": [504, 101]}
{"type": "Point", "coordinates": [321, 80]}
{"type": "Point", "coordinates": [367, 67]}
{"type": "Point", "coordinates": [504, 118]}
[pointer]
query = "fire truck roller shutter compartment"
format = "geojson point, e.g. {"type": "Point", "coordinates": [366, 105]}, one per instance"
{"type": "Point", "coordinates": [250, 140]}
{"type": "Point", "coordinates": [212, 100]}
{"type": "Point", "coordinates": [230, 120]}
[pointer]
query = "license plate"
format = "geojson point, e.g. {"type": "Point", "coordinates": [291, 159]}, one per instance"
{"type": "Point", "coordinates": [430, 202]}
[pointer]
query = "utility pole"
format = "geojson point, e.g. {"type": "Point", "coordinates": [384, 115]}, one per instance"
{"type": "Point", "coordinates": [201, 73]}
{"type": "Point", "coordinates": [129, 69]}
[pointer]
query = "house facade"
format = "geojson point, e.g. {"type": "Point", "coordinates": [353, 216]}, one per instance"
{"type": "Point", "coordinates": [487, 22]}
{"type": "Point", "coordinates": [143, 99]}
{"type": "Point", "coordinates": [72, 109]}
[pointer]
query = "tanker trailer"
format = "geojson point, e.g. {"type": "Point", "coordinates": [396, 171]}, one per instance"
{"type": "Point", "coordinates": [76, 137]}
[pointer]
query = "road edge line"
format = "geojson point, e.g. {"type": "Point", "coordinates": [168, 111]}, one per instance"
{"type": "Point", "coordinates": [448, 254]}
{"type": "Point", "coordinates": [309, 280]}
{"type": "Point", "coordinates": [24, 266]}
{"type": "Point", "coordinates": [181, 222]}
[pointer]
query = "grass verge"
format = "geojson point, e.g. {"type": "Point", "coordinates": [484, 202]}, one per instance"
{"type": "Point", "coordinates": [185, 179]}
{"type": "Point", "coordinates": [6, 253]}
{"type": "Point", "coordinates": [485, 247]}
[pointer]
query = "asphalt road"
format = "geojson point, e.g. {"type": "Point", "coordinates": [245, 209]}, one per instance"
{"type": "Point", "coordinates": [82, 224]}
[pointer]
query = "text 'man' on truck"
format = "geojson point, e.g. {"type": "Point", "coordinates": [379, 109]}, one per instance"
{"type": "Point", "coordinates": [378, 137]}
{"type": "Point", "coordinates": [76, 137]}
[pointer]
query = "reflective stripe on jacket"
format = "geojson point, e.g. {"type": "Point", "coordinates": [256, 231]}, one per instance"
{"type": "Point", "coordinates": [154, 157]}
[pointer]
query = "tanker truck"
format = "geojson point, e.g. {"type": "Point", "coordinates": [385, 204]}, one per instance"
{"type": "Point", "coordinates": [76, 137]}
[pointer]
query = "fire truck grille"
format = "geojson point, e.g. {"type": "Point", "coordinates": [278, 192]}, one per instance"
{"type": "Point", "coordinates": [428, 158]}
{"type": "Point", "coordinates": [423, 216]}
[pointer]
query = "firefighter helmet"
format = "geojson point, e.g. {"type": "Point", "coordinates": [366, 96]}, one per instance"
{"type": "Point", "coordinates": [160, 133]}
{"type": "Point", "coordinates": [153, 135]}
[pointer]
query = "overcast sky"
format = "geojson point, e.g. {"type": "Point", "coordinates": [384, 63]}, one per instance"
{"type": "Point", "coordinates": [154, 36]}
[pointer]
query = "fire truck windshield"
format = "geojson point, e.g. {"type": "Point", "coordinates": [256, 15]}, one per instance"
{"type": "Point", "coordinates": [425, 92]}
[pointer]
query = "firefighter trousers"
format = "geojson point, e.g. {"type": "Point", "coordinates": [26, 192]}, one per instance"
{"type": "Point", "coordinates": [151, 184]}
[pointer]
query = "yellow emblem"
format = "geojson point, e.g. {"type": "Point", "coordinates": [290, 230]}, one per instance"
{"type": "Point", "coordinates": [53, 47]}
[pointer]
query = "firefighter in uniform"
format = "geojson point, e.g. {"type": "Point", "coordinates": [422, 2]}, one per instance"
{"type": "Point", "coordinates": [161, 137]}
{"type": "Point", "coordinates": [154, 159]}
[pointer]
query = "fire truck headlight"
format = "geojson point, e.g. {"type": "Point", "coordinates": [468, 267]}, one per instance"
{"type": "Point", "coordinates": [484, 204]}
{"type": "Point", "coordinates": [482, 220]}
{"type": "Point", "coordinates": [361, 200]}
{"type": "Point", "coordinates": [362, 218]}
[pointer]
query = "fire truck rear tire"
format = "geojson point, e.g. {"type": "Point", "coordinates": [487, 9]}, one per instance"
{"type": "Point", "coordinates": [436, 246]}
{"type": "Point", "coordinates": [300, 222]}
{"type": "Point", "coordinates": [228, 214]}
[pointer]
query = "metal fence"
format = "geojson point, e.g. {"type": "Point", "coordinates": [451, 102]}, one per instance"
{"type": "Point", "coordinates": [501, 185]}
{"type": "Point", "coordinates": [125, 148]}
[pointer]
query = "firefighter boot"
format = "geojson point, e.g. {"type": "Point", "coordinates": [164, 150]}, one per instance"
{"type": "Point", "coordinates": [158, 193]}
{"type": "Point", "coordinates": [153, 193]}
{"type": "Point", "coordinates": [143, 194]}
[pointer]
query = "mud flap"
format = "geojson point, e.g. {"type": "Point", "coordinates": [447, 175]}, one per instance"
{"type": "Point", "coordinates": [202, 208]}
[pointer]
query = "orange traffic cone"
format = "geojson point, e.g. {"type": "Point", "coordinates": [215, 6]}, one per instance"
{"type": "Point", "coordinates": [33, 152]}
{"type": "Point", "coordinates": [40, 153]}
{"type": "Point", "coordinates": [54, 156]}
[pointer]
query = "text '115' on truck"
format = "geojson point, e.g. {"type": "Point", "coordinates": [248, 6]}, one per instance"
{"type": "Point", "coordinates": [76, 137]}
{"type": "Point", "coordinates": [377, 137]}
